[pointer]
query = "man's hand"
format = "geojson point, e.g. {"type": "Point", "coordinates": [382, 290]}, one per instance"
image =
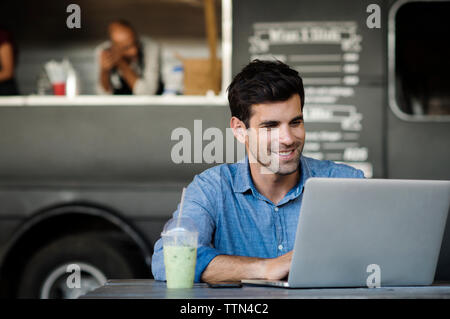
{"type": "Point", "coordinates": [109, 59]}
{"type": "Point", "coordinates": [235, 268]}
{"type": "Point", "coordinates": [278, 268]}
{"type": "Point", "coordinates": [127, 73]}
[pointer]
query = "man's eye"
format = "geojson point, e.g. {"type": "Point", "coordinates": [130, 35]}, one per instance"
{"type": "Point", "coordinates": [295, 123]}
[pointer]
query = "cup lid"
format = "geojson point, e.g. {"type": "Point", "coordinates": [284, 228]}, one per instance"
{"type": "Point", "coordinates": [179, 224]}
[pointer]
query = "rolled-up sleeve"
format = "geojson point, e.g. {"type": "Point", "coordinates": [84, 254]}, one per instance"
{"type": "Point", "coordinates": [98, 51]}
{"type": "Point", "coordinates": [199, 206]}
{"type": "Point", "coordinates": [148, 83]}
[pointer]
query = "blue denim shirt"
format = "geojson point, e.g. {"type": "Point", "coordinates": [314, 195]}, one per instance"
{"type": "Point", "coordinates": [233, 218]}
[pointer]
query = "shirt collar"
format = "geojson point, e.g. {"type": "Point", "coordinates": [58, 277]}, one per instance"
{"type": "Point", "coordinates": [305, 174]}
{"type": "Point", "coordinates": [243, 182]}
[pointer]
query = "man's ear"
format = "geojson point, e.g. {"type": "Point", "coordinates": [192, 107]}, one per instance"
{"type": "Point", "coordinates": [239, 129]}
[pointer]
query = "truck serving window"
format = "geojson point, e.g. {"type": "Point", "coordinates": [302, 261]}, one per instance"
{"type": "Point", "coordinates": [419, 64]}
{"type": "Point", "coordinates": [190, 38]}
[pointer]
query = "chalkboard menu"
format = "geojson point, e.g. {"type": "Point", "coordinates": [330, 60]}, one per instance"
{"type": "Point", "coordinates": [341, 61]}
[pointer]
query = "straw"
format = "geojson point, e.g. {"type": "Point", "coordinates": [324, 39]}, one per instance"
{"type": "Point", "coordinates": [181, 210]}
{"type": "Point", "coordinates": [181, 206]}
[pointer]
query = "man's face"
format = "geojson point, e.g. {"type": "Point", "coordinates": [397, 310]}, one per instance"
{"type": "Point", "coordinates": [124, 41]}
{"type": "Point", "coordinates": [276, 135]}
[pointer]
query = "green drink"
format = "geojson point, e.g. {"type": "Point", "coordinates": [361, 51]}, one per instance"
{"type": "Point", "coordinates": [180, 265]}
{"type": "Point", "coordinates": [180, 238]}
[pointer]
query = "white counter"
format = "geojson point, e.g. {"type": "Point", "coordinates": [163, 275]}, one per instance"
{"type": "Point", "coordinates": [106, 100]}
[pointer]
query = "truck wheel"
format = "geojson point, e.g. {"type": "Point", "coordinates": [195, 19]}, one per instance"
{"type": "Point", "coordinates": [96, 257]}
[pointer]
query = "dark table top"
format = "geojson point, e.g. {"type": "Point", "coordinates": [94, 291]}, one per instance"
{"type": "Point", "coordinates": [151, 289]}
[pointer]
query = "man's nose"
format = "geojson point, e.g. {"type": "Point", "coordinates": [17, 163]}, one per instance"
{"type": "Point", "coordinates": [286, 135]}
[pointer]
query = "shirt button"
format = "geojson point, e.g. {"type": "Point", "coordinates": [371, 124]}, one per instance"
{"type": "Point", "coordinates": [276, 209]}
{"type": "Point", "coordinates": [280, 247]}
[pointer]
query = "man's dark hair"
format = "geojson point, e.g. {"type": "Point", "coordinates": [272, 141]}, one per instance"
{"type": "Point", "coordinates": [263, 82]}
{"type": "Point", "coordinates": [123, 23]}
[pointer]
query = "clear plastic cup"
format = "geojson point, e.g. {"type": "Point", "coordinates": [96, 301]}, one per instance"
{"type": "Point", "coordinates": [180, 239]}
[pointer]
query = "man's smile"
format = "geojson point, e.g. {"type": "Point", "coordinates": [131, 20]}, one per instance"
{"type": "Point", "coordinates": [286, 155]}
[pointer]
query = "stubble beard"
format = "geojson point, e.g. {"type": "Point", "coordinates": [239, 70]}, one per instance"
{"type": "Point", "coordinates": [275, 166]}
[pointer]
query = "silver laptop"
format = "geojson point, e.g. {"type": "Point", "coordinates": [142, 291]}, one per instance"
{"type": "Point", "coordinates": [348, 225]}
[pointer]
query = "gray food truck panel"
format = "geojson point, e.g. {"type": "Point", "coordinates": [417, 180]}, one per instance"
{"type": "Point", "coordinates": [101, 143]}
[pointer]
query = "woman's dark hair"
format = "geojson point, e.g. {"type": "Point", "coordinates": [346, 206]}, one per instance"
{"type": "Point", "coordinates": [263, 82]}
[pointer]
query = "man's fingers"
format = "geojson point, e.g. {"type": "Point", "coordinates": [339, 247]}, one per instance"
{"type": "Point", "coordinates": [106, 56]}
{"type": "Point", "coordinates": [107, 60]}
{"type": "Point", "coordinates": [106, 53]}
{"type": "Point", "coordinates": [116, 54]}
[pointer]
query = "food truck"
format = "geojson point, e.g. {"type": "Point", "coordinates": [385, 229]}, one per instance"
{"type": "Point", "coordinates": [91, 179]}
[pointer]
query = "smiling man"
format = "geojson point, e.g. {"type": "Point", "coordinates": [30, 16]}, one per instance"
{"type": "Point", "coordinates": [247, 213]}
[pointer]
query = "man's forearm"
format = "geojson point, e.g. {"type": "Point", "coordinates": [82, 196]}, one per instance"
{"type": "Point", "coordinates": [127, 73]}
{"type": "Point", "coordinates": [104, 80]}
{"type": "Point", "coordinates": [234, 268]}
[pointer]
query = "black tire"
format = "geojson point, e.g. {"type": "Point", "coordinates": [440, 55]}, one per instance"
{"type": "Point", "coordinates": [111, 253]}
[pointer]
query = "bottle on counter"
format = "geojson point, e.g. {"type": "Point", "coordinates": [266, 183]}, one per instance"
{"type": "Point", "coordinates": [174, 81]}
{"type": "Point", "coordinates": [72, 81]}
